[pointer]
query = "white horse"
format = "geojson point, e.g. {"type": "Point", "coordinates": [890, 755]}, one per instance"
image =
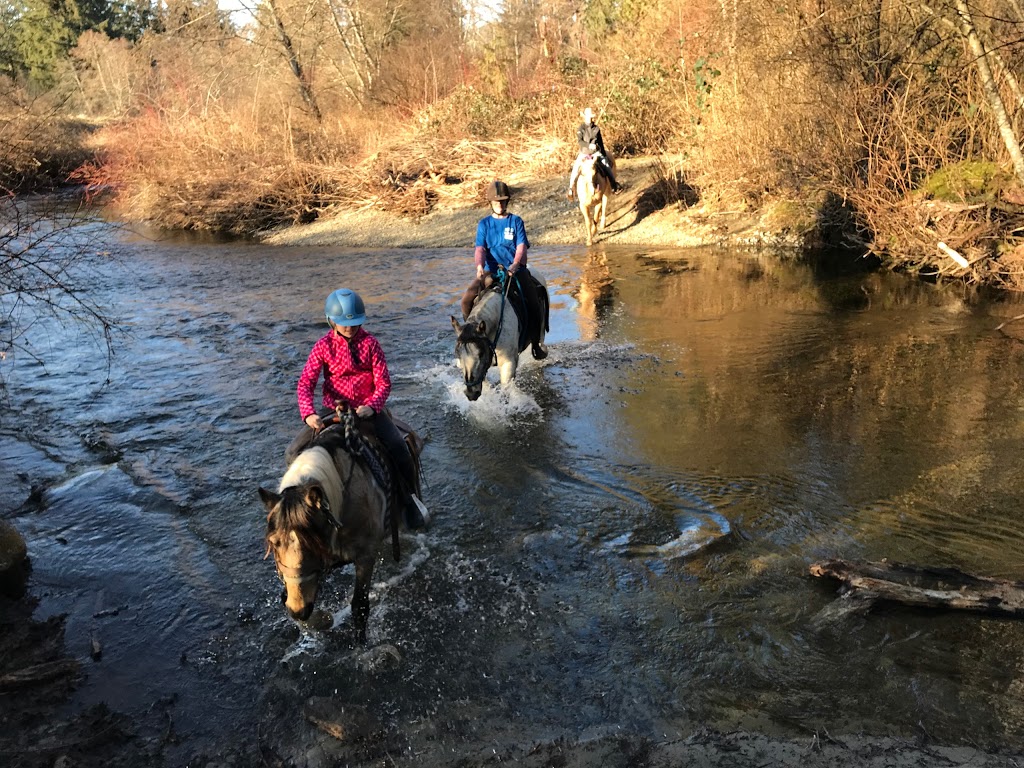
{"type": "Point", "coordinates": [492, 335]}
{"type": "Point", "coordinates": [593, 190]}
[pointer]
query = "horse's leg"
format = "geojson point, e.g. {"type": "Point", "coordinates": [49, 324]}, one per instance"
{"type": "Point", "coordinates": [604, 206]}
{"type": "Point", "coordinates": [507, 367]}
{"type": "Point", "coordinates": [361, 596]}
{"type": "Point", "coordinates": [586, 218]}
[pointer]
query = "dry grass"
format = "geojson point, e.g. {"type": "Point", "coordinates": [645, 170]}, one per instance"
{"type": "Point", "coordinates": [253, 179]}
{"type": "Point", "coordinates": [40, 146]}
{"type": "Point", "coordinates": [740, 110]}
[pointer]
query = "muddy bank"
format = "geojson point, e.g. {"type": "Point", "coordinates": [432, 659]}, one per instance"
{"type": "Point", "coordinates": [37, 677]}
{"type": "Point", "coordinates": [637, 216]}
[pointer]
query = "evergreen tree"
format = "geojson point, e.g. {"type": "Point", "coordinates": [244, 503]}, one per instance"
{"type": "Point", "coordinates": [36, 35]}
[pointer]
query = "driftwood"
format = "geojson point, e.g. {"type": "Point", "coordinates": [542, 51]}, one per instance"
{"type": "Point", "coordinates": [38, 674]}
{"type": "Point", "coordinates": [925, 587]}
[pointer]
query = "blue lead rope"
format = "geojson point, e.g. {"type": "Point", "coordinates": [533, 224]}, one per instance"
{"type": "Point", "coordinates": [505, 283]}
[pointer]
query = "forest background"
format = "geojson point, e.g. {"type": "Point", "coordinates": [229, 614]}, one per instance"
{"type": "Point", "coordinates": [887, 126]}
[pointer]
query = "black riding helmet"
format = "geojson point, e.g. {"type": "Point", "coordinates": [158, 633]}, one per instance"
{"type": "Point", "coordinates": [497, 190]}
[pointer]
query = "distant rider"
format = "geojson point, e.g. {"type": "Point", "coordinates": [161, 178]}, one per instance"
{"type": "Point", "coordinates": [355, 375]}
{"type": "Point", "coordinates": [590, 141]}
{"type": "Point", "coordinates": [501, 241]}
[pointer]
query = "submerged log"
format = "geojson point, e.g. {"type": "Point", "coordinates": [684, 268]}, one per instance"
{"type": "Point", "coordinates": [925, 587]}
{"type": "Point", "coordinates": [39, 674]}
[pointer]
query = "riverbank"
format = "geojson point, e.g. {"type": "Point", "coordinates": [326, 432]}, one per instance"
{"type": "Point", "coordinates": [637, 216]}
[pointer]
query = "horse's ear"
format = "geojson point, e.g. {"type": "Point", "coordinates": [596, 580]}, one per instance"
{"type": "Point", "coordinates": [481, 328]}
{"type": "Point", "coordinates": [314, 496]}
{"type": "Point", "coordinates": [455, 325]}
{"type": "Point", "coordinates": [270, 499]}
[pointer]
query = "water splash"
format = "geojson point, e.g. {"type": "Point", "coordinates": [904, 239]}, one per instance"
{"type": "Point", "coordinates": [498, 406]}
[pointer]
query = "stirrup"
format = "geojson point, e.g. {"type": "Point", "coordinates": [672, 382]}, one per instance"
{"type": "Point", "coordinates": [539, 351]}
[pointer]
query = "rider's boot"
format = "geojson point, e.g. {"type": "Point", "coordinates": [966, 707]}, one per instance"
{"type": "Point", "coordinates": [416, 514]}
{"type": "Point", "coordinates": [537, 347]}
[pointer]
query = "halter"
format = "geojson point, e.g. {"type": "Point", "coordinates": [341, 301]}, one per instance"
{"type": "Point", "coordinates": [297, 576]}
{"type": "Point", "coordinates": [483, 340]}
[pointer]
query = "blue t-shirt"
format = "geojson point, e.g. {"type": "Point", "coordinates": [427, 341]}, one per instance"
{"type": "Point", "coordinates": [501, 237]}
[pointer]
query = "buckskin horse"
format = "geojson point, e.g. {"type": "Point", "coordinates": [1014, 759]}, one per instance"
{"type": "Point", "coordinates": [494, 333]}
{"type": "Point", "coordinates": [333, 506]}
{"type": "Point", "coordinates": [593, 189]}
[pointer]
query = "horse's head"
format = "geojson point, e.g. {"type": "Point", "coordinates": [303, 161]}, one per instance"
{"type": "Point", "coordinates": [475, 352]}
{"type": "Point", "coordinates": [299, 531]}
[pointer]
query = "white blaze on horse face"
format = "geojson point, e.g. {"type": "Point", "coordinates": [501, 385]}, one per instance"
{"type": "Point", "coordinates": [299, 593]}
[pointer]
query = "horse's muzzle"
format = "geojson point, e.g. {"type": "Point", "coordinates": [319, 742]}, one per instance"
{"type": "Point", "coordinates": [302, 615]}
{"type": "Point", "coordinates": [473, 391]}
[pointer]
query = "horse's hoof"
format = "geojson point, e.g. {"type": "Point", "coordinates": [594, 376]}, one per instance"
{"type": "Point", "coordinates": [320, 621]}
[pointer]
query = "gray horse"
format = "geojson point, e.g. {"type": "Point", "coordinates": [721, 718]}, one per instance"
{"type": "Point", "coordinates": [493, 334]}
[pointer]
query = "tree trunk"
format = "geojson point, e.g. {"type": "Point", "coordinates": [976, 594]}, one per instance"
{"type": "Point", "coordinates": [293, 62]}
{"type": "Point", "coordinates": [925, 587]}
{"type": "Point", "coordinates": [995, 101]}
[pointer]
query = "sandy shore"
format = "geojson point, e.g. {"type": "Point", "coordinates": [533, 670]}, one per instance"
{"type": "Point", "coordinates": [635, 217]}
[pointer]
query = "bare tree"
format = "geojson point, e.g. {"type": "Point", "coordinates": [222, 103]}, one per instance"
{"type": "Point", "coordinates": [292, 56]}
{"type": "Point", "coordinates": [988, 84]}
{"type": "Point", "coordinates": [366, 32]}
{"type": "Point", "coordinates": [41, 259]}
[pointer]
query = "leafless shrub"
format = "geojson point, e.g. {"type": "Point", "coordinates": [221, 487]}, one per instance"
{"type": "Point", "coordinates": [39, 144]}
{"type": "Point", "coordinates": [41, 270]}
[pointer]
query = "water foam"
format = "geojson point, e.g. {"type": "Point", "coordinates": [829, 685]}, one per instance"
{"type": "Point", "coordinates": [497, 406]}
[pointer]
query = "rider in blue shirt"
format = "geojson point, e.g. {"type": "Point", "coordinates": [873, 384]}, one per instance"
{"type": "Point", "coordinates": [501, 241]}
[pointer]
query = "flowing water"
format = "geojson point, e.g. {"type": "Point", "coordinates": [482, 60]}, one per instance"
{"type": "Point", "coordinates": [620, 542]}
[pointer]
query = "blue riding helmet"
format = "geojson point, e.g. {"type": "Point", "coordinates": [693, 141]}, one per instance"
{"type": "Point", "coordinates": [345, 308]}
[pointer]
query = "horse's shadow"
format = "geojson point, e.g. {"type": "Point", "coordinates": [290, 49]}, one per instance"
{"type": "Point", "coordinates": [666, 190]}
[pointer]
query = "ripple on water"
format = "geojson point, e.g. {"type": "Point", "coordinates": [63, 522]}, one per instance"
{"type": "Point", "coordinates": [117, 559]}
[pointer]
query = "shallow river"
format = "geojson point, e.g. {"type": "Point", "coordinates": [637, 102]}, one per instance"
{"type": "Point", "coordinates": [620, 543]}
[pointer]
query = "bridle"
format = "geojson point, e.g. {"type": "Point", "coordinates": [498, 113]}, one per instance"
{"type": "Point", "coordinates": [485, 344]}
{"type": "Point", "coordinates": [290, 574]}
{"type": "Point", "coordinates": [485, 341]}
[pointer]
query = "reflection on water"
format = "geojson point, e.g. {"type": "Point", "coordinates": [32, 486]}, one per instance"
{"type": "Point", "coordinates": [628, 529]}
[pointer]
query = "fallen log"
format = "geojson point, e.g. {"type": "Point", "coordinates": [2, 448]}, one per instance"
{"type": "Point", "coordinates": [925, 587]}
{"type": "Point", "coordinates": [39, 674]}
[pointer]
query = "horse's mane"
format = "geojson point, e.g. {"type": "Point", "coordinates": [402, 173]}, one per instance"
{"type": "Point", "coordinates": [315, 465]}
{"type": "Point", "coordinates": [487, 309]}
